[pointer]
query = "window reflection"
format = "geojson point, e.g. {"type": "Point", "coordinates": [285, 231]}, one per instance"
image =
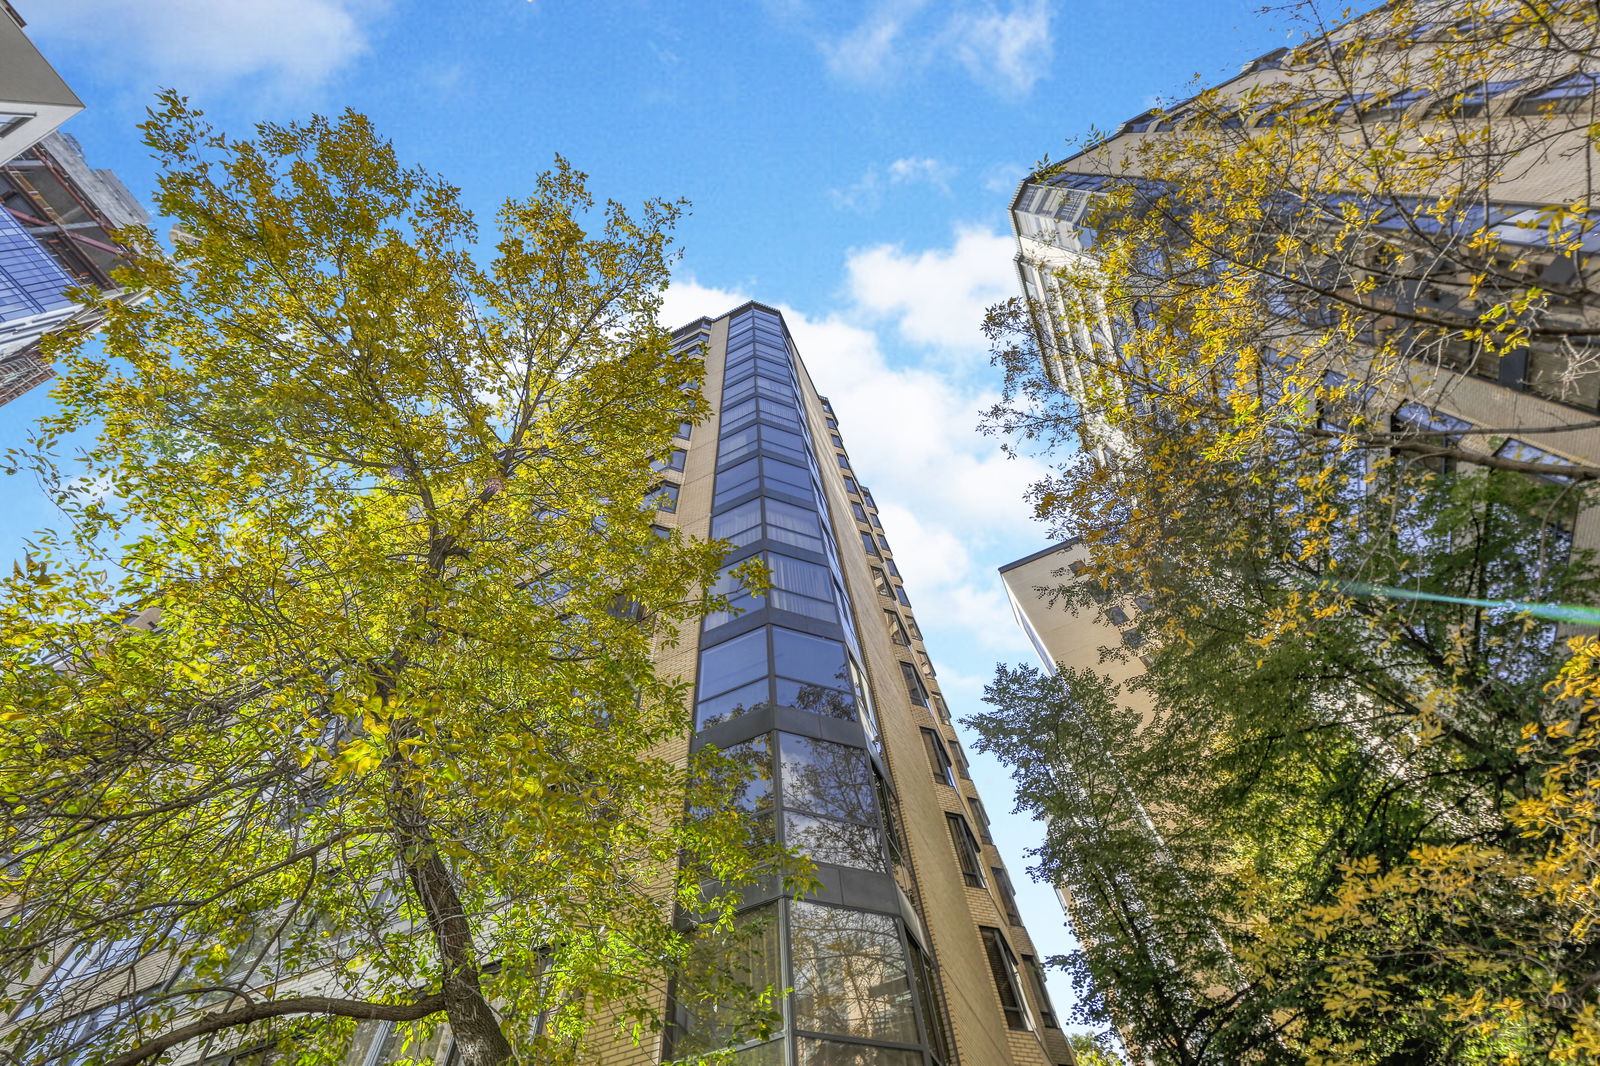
{"type": "Point", "coordinates": [850, 974]}
{"type": "Point", "coordinates": [839, 843]}
{"type": "Point", "coordinates": [815, 1052]}
{"type": "Point", "coordinates": [826, 778]}
{"type": "Point", "coordinates": [716, 993]}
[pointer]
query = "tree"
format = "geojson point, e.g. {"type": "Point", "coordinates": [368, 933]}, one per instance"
{"type": "Point", "coordinates": [1262, 301]}
{"type": "Point", "coordinates": [394, 747]}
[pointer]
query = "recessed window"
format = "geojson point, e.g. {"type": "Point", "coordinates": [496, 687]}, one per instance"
{"type": "Point", "coordinates": [1008, 896]}
{"type": "Point", "coordinates": [1565, 97]}
{"type": "Point", "coordinates": [859, 511]}
{"type": "Point", "coordinates": [850, 486]}
{"type": "Point", "coordinates": [900, 594]}
{"type": "Point", "coordinates": [1392, 106]}
{"type": "Point", "coordinates": [1041, 993]}
{"type": "Point", "coordinates": [881, 580]}
{"type": "Point", "coordinates": [938, 757]}
{"type": "Point", "coordinates": [914, 689]}
{"type": "Point", "coordinates": [897, 629]}
{"type": "Point", "coordinates": [980, 818]}
{"type": "Point", "coordinates": [684, 429]}
{"type": "Point", "coordinates": [837, 441]}
{"type": "Point", "coordinates": [968, 856]}
{"type": "Point", "coordinates": [1007, 981]}
{"type": "Point", "coordinates": [844, 461]}
{"type": "Point", "coordinates": [10, 123]}
{"type": "Point", "coordinates": [870, 546]}
{"type": "Point", "coordinates": [665, 497]}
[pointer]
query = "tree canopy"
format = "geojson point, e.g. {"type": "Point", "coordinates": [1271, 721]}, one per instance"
{"type": "Point", "coordinates": [1344, 834]}
{"type": "Point", "coordinates": [336, 699]}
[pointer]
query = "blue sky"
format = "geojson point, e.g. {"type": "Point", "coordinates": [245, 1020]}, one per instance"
{"type": "Point", "coordinates": [849, 162]}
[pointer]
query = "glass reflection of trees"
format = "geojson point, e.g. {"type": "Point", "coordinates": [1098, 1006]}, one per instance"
{"type": "Point", "coordinates": [716, 994]}
{"type": "Point", "coordinates": [814, 1052]}
{"type": "Point", "coordinates": [830, 807]}
{"type": "Point", "coordinates": [810, 674]}
{"type": "Point", "coordinates": [850, 974]}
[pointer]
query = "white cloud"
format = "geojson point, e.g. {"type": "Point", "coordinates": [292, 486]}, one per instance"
{"type": "Point", "coordinates": [867, 193]}
{"type": "Point", "coordinates": [874, 48]}
{"type": "Point", "coordinates": [686, 300]}
{"type": "Point", "coordinates": [1007, 51]}
{"type": "Point", "coordinates": [285, 45]}
{"type": "Point", "coordinates": [936, 297]}
{"type": "Point", "coordinates": [1002, 178]}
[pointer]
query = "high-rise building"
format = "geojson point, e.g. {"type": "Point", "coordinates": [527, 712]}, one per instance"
{"type": "Point", "coordinates": [59, 213]}
{"type": "Point", "coordinates": [1519, 405]}
{"type": "Point", "coordinates": [913, 952]}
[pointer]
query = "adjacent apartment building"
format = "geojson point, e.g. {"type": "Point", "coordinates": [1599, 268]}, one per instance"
{"type": "Point", "coordinates": [58, 216]}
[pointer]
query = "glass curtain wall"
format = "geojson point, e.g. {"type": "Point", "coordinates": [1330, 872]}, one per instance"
{"type": "Point", "coordinates": [780, 683]}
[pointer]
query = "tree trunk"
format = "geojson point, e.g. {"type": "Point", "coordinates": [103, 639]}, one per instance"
{"type": "Point", "coordinates": [474, 1024]}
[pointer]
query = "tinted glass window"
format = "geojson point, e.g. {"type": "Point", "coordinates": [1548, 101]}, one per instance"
{"type": "Point", "coordinates": [789, 524]}
{"type": "Point", "coordinates": [817, 1052]}
{"type": "Point", "coordinates": [850, 974]}
{"type": "Point", "coordinates": [740, 525]}
{"type": "Point", "coordinates": [815, 699]}
{"type": "Point", "coordinates": [839, 843]}
{"type": "Point", "coordinates": [802, 657]}
{"type": "Point", "coordinates": [755, 960]}
{"type": "Point", "coordinates": [798, 576]}
{"type": "Point", "coordinates": [741, 700]}
{"type": "Point", "coordinates": [734, 662]}
{"type": "Point", "coordinates": [826, 778]}
{"type": "Point", "coordinates": [786, 474]}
